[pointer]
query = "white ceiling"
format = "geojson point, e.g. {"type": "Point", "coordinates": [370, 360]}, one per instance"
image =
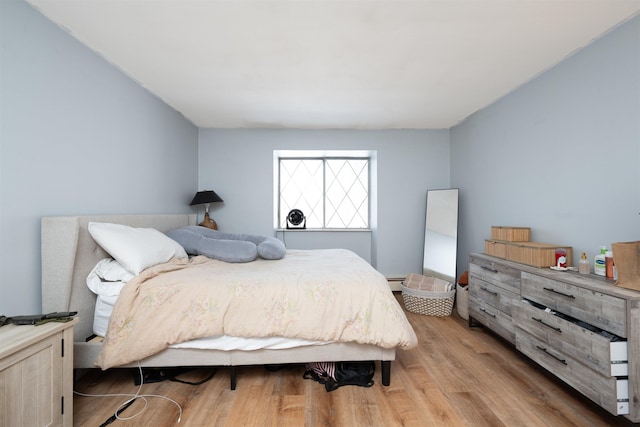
{"type": "Point", "coordinates": [334, 64]}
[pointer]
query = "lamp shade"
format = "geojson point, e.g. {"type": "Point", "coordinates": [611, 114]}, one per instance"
{"type": "Point", "coordinates": [203, 197]}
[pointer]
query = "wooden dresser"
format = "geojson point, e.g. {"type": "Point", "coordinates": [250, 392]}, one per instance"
{"type": "Point", "coordinates": [36, 375]}
{"type": "Point", "coordinates": [581, 328]}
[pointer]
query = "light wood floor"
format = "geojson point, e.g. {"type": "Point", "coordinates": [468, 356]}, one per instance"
{"type": "Point", "coordinates": [455, 377]}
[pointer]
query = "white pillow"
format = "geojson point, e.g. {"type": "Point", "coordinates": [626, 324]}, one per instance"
{"type": "Point", "coordinates": [110, 270]}
{"type": "Point", "coordinates": [135, 248]}
{"type": "Point", "coordinates": [108, 277]}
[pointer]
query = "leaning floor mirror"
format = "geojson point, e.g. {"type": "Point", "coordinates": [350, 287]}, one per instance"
{"type": "Point", "coordinates": [441, 234]}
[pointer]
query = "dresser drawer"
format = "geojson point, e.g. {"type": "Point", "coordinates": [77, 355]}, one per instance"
{"type": "Point", "coordinates": [493, 295]}
{"type": "Point", "coordinates": [604, 311]}
{"type": "Point", "coordinates": [589, 348]}
{"type": "Point", "coordinates": [609, 392]}
{"type": "Point", "coordinates": [492, 318]}
{"type": "Point", "coordinates": [495, 273]}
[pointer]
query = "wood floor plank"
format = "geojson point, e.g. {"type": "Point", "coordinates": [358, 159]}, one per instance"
{"type": "Point", "coordinates": [457, 376]}
{"type": "Point", "coordinates": [473, 410]}
{"type": "Point", "coordinates": [320, 406]}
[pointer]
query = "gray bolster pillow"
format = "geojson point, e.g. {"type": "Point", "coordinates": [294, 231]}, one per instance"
{"type": "Point", "coordinates": [198, 240]}
{"type": "Point", "coordinates": [220, 249]}
{"type": "Point", "coordinates": [271, 248]}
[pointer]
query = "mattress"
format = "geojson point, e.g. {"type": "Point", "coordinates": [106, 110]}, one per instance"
{"type": "Point", "coordinates": [104, 307]}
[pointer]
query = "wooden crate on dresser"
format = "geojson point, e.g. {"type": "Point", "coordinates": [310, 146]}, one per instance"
{"type": "Point", "coordinates": [581, 328]}
{"type": "Point", "coordinates": [36, 374]}
{"type": "Point", "coordinates": [510, 234]}
{"type": "Point", "coordinates": [535, 254]}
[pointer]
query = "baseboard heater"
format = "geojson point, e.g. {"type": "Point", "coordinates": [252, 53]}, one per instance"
{"type": "Point", "coordinates": [394, 282]}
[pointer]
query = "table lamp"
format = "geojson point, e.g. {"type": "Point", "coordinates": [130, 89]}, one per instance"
{"type": "Point", "coordinates": [205, 198]}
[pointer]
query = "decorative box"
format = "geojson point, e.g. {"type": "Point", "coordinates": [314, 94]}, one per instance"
{"type": "Point", "coordinates": [536, 254]}
{"type": "Point", "coordinates": [511, 234]}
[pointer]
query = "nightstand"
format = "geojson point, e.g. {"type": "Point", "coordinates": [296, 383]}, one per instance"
{"type": "Point", "coordinates": [36, 374]}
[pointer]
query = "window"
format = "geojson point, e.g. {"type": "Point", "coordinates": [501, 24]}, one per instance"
{"type": "Point", "coordinates": [332, 192]}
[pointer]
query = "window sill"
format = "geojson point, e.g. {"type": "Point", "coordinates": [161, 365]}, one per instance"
{"type": "Point", "coordinates": [332, 230]}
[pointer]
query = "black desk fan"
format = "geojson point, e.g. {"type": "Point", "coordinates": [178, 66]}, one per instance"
{"type": "Point", "coordinates": [296, 219]}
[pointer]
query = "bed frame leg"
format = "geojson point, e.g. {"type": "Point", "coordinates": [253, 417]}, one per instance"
{"type": "Point", "coordinates": [233, 377]}
{"type": "Point", "coordinates": [386, 372]}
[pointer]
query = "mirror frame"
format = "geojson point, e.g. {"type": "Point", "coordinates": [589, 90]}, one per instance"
{"type": "Point", "coordinates": [441, 234]}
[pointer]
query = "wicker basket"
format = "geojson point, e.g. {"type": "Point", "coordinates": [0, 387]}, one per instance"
{"type": "Point", "coordinates": [425, 301]}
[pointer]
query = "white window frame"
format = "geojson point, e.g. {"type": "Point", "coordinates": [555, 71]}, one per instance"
{"type": "Point", "coordinates": [323, 155]}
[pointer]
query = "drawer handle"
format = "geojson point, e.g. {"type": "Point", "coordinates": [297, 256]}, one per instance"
{"type": "Point", "coordinates": [488, 291]}
{"type": "Point", "coordinates": [544, 350]}
{"type": "Point", "coordinates": [559, 293]}
{"type": "Point", "coordinates": [493, 270]}
{"type": "Point", "coordinates": [547, 325]}
{"type": "Point", "coordinates": [486, 312]}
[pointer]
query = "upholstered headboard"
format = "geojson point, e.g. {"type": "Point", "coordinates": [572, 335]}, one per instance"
{"type": "Point", "coordinates": [69, 253]}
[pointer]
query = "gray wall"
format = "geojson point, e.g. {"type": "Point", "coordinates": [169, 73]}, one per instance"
{"type": "Point", "coordinates": [560, 155]}
{"type": "Point", "coordinates": [238, 165]}
{"type": "Point", "coordinates": [76, 137]}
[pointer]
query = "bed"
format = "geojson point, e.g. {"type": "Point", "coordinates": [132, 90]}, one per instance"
{"type": "Point", "coordinates": [69, 254]}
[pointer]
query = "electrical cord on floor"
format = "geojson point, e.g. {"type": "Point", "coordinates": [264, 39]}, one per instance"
{"type": "Point", "coordinates": [129, 402]}
{"type": "Point", "coordinates": [178, 380]}
{"type": "Point", "coordinates": [120, 410]}
{"type": "Point", "coordinates": [154, 375]}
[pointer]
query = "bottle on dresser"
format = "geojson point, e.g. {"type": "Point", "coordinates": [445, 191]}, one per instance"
{"type": "Point", "coordinates": [609, 266]}
{"type": "Point", "coordinates": [584, 267]}
{"type": "Point", "coordinates": [599, 266]}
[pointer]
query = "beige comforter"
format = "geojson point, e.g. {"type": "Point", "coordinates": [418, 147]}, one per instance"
{"type": "Point", "coordinates": [327, 295]}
